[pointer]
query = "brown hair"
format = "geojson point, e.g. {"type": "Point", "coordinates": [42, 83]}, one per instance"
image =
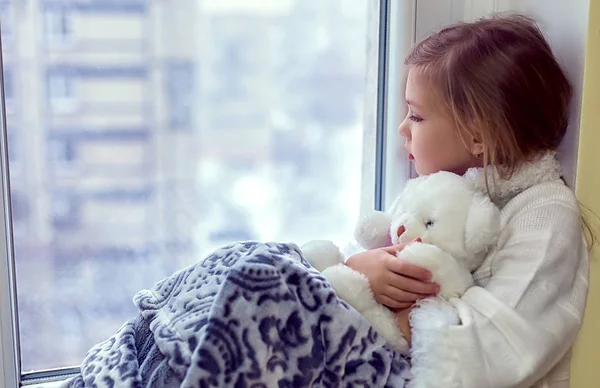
{"type": "Point", "coordinates": [502, 85]}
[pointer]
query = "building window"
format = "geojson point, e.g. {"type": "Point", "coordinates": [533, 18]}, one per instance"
{"type": "Point", "coordinates": [6, 22]}
{"type": "Point", "coordinates": [180, 94]}
{"type": "Point", "coordinates": [20, 213]}
{"type": "Point", "coordinates": [61, 93]}
{"type": "Point", "coordinates": [9, 86]}
{"type": "Point", "coordinates": [20, 207]}
{"type": "Point", "coordinates": [13, 149]}
{"type": "Point", "coordinates": [57, 26]}
{"type": "Point", "coordinates": [65, 211]}
{"type": "Point", "coordinates": [63, 152]}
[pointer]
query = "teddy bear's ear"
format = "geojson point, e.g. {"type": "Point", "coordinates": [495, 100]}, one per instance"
{"type": "Point", "coordinates": [482, 225]}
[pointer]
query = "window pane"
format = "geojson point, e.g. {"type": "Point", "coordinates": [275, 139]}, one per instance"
{"type": "Point", "coordinates": [148, 133]}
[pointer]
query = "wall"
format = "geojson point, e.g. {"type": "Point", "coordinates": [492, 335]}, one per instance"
{"type": "Point", "coordinates": [585, 371]}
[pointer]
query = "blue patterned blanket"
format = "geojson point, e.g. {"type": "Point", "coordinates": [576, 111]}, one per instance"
{"type": "Point", "coordinates": [249, 315]}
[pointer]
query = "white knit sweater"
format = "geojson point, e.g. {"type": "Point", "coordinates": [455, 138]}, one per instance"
{"type": "Point", "coordinates": [519, 323]}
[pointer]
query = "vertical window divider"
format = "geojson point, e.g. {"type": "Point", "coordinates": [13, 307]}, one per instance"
{"type": "Point", "coordinates": [382, 89]}
{"type": "Point", "coordinates": [9, 320]}
{"type": "Point", "coordinates": [397, 34]}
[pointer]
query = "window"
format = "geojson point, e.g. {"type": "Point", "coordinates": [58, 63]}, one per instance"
{"type": "Point", "coordinates": [284, 151]}
{"type": "Point", "coordinates": [63, 153]}
{"type": "Point", "coordinates": [9, 87]}
{"type": "Point", "coordinates": [6, 24]}
{"type": "Point", "coordinates": [57, 26]}
{"type": "Point", "coordinates": [20, 207]}
{"type": "Point", "coordinates": [13, 144]}
{"type": "Point", "coordinates": [179, 91]}
{"type": "Point", "coordinates": [60, 92]}
{"type": "Point", "coordinates": [64, 211]}
{"type": "Point", "coordinates": [9, 90]}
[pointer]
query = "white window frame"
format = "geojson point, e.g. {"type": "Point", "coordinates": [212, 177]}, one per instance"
{"type": "Point", "coordinates": [396, 35]}
{"type": "Point", "coordinates": [9, 334]}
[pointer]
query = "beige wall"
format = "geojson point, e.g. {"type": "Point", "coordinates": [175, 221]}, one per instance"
{"type": "Point", "coordinates": [586, 372]}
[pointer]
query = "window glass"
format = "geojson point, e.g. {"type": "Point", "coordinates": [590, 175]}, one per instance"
{"type": "Point", "coordinates": [165, 129]}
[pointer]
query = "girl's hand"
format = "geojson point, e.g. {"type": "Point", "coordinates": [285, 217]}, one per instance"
{"type": "Point", "coordinates": [395, 283]}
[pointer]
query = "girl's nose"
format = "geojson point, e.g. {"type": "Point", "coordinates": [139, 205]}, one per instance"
{"type": "Point", "coordinates": [403, 130]}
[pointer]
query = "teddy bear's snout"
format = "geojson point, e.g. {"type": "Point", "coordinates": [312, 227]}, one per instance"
{"type": "Point", "coordinates": [408, 228]}
{"type": "Point", "coordinates": [400, 231]}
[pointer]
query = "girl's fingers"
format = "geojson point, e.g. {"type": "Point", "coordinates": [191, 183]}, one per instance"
{"type": "Point", "coordinates": [406, 268]}
{"type": "Point", "coordinates": [391, 303]}
{"type": "Point", "coordinates": [409, 285]}
{"type": "Point", "coordinates": [400, 295]}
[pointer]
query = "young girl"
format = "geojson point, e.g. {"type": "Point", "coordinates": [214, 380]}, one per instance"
{"type": "Point", "coordinates": [488, 99]}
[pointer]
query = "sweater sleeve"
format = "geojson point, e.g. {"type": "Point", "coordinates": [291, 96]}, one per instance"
{"type": "Point", "coordinates": [522, 322]}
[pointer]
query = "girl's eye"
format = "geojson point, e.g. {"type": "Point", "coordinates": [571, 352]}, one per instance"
{"type": "Point", "coordinates": [414, 118]}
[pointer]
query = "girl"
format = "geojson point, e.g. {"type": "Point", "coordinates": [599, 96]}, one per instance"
{"type": "Point", "coordinates": [488, 99]}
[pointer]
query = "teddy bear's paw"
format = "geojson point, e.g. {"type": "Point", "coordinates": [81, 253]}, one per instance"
{"type": "Point", "coordinates": [350, 286]}
{"type": "Point", "coordinates": [454, 281]}
{"type": "Point", "coordinates": [432, 360]}
{"type": "Point", "coordinates": [322, 254]}
{"type": "Point", "coordinates": [433, 313]}
{"type": "Point", "coordinates": [452, 278]}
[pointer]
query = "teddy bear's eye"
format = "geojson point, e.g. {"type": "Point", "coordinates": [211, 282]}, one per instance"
{"type": "Point", "coordinates": [429, 224]}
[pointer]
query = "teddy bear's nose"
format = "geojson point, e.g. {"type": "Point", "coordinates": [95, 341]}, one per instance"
{"type": "Point", "coordinates": [401, 230]}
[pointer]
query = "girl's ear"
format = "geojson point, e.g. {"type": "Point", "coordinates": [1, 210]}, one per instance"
{"type": "Point", "coordinates": [476, 146]}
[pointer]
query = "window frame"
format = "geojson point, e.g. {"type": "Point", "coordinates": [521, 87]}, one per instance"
{"type": "Point", "coordinates": [9, 325]}
{"type": "Point", "coordinates": [393, 41]}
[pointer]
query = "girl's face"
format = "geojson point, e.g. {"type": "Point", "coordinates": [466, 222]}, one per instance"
{"type": "Point", "coordinates": [431, 138]}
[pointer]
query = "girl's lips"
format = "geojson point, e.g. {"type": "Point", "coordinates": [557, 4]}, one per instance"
{"type": "Point", "coordinates": [411, 157]}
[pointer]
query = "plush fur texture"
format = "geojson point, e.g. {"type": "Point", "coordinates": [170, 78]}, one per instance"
{"type": "Point", "coordinates": [457, 224]}
{"type": "Point", "coordinates": [544, 168]}
{"type": "Point", "coordinates": [433, 368]}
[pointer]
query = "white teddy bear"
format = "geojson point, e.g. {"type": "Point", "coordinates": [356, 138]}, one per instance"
{"type": "Point", "coordinates": [456, 224]}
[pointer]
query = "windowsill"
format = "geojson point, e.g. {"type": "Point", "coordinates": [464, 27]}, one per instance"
{"type": "Point", "coordinates": [53, 384]}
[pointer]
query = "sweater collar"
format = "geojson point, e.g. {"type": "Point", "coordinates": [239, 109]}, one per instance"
{"type": "Point", "coordinates": [544, 168]}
